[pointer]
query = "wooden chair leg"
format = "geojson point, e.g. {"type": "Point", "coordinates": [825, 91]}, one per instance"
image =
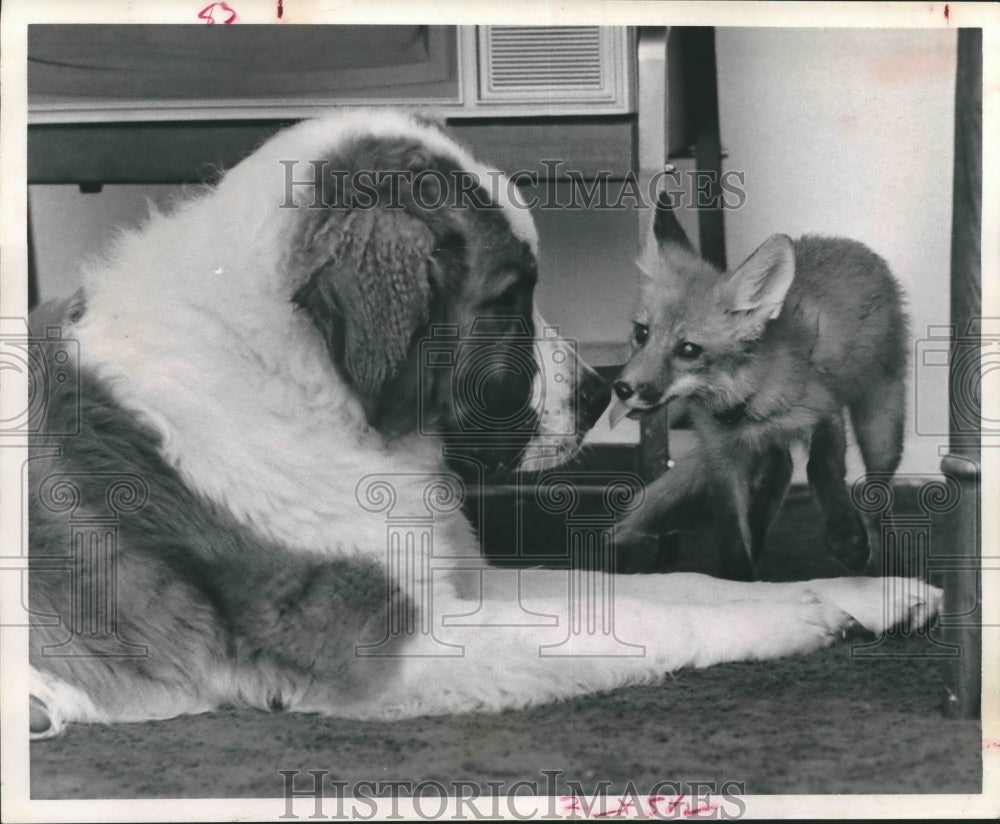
{"type": "Point", "coordinates": [962, 581]}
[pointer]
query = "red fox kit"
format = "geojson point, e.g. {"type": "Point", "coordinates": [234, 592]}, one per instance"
{"type": "Point", "coordinates": [769, 355]}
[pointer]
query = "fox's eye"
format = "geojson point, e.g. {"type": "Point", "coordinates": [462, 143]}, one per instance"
{"type": "Point", "coordinates": [640, 333]}
{"type": "Point", "coordinates": [687, 350]}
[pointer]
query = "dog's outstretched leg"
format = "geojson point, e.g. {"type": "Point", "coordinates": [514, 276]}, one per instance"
{"type": "Point", "coordinates": [497, 664]}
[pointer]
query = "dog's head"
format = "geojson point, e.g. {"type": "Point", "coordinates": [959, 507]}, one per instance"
{"type": "Point", "coordinates": [418, 268]}
{"type": "Point", "coordinates": [696, 327]}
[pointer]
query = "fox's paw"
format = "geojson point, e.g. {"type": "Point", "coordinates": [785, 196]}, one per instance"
{"type": "Point", "coordinates": [632, 532]}
{"type": "Point", "coordinates": [878, 604]}
{"type": "Point", "coordinates": [846, 540]}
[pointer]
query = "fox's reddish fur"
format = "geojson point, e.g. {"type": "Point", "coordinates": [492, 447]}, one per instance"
{"type": "Point", "coordinates": [769, 355]}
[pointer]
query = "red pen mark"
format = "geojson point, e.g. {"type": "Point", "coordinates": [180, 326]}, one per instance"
{"type": "Point", "coordinates": [622, 809]}
{"type": "Point", "coordinates": [570, 803]}
{"type": "Point", "coordinates": [281, 9]}
{"type": "Point", "coordinates": [947, 13]}
{"type": "Point", "coordinates": [672, 804]}
{"type": "Point", "coordinates": [217, 13]}
{"type": "Point", "coordinates": [654, 805]}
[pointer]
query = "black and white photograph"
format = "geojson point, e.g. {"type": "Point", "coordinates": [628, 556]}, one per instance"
{"type": "Point", "coordinates": [456, 412]}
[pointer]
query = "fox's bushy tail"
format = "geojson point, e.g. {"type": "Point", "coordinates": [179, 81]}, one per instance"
{"type": "Point", "coordinates": [675, 487]}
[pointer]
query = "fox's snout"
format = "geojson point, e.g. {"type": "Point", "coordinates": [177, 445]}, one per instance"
{"type": "Point", "coordinates": [642, 393]}
{"type": "Point", "coordinates": [646, 378]}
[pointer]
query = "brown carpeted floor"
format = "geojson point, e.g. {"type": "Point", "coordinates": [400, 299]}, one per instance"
{"type": "Point", "coordinates": [830, 722]}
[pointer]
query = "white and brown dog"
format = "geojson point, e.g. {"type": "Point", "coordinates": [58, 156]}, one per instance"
{"type": "Point", "coordinates": [268, 374]}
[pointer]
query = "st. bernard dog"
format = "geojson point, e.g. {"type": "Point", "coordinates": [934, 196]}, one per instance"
{"type": "Point", "coordinates": [246, 492]}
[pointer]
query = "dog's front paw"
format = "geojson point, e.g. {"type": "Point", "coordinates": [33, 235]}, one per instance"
{"type": "Point", "coordinates": [919, 602]}
{"type": "Point", "coordinates": [879, 604]}
{"type": "Point", "coordinates": [759, 630]}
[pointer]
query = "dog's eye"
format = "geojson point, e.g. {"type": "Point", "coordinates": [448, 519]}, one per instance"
{"type": "Point", "coordinates": [640, 333]}
{"type": "Point", "coordinates": [687, 350]}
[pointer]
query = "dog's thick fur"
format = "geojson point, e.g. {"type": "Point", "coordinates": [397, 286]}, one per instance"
{"type": "Point", "coordinates": [257, 429]}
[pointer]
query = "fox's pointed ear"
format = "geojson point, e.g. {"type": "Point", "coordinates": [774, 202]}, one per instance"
{"type": "Point", "coordinates": [760, 284]}
{"type": "Point", "coordinates": [664, 232]}
{"type": "Point", "coordinates": [666, 229]}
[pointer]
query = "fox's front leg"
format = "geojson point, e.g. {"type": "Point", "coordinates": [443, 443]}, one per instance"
{"type": "Point", "coordinates": [843, 528]}
{"type": "Point", "coordinates": [730, 489]}
{"type": "Point", "coordinates": [773, 474]}
{"type": "Point", "coordinates": [663, 499]}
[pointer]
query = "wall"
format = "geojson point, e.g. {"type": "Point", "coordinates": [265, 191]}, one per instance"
{"type": "Point", "coordinates": [849, 132]}
{"type": "Point", "coordinates": [70, 227]}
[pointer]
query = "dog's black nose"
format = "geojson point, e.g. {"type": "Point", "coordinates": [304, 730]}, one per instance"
{"type": "Point", "coordinates": [623, 390]}
{"type": "Point", "coordinates": [595, 395]}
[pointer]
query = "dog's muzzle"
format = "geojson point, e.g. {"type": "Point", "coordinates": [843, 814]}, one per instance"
{"type": "Point", "coordinates": [595, 395]}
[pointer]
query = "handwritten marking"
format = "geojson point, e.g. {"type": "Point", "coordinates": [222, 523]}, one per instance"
{"type": "Point", "coordinates": [281, 8]}
{"type": "Point", "coordinates": [216, 13]}
{"type": "Point", "coordinates": [654, 805]}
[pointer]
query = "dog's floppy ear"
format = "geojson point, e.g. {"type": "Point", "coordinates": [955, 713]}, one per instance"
{"type": "Point", "coordinates": [371, 295]}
